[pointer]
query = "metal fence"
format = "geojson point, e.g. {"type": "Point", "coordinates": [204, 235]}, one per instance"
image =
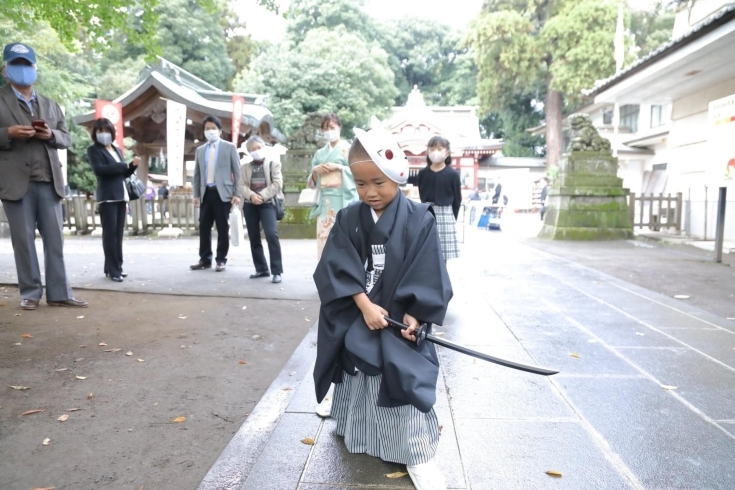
{"type": "Point", "coordinates": [81, 214]}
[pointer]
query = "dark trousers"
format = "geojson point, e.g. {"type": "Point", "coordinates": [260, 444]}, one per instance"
{"type": "Point", "coordinates": [40, 207]}
{"type": "Point", "coordinates": [112, 217]}
{"type": "Point", "coordinates": [264, 214]}
{"type": "Point", "coordinates": [214, 211]}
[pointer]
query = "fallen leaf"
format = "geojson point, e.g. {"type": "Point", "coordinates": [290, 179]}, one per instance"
{"type": "Point", "coordinates": [80, 317]}
{"type": "Point", "coordinates": [308, 441]}
{"type": "Point", "coordinates": [60, 370]}
{"type": "Point", "coordinates": [112, 350]}
{"type": "Point", "coordinates": [182, 317]}
{"type": "Point", "coordinates": [103, 344]}
{"type": "Point", "coordinates": [242, 362]}
{"type": "Point", "coordinates": [574, 354]}
{"type": "Point", "coordinates": [81, 377]}
{"type": "Point", "coordinates": [292, 373]}
{"type": "Point", "coordinates": [306, 319]}
{"type": "Point", "coordinates": [63, 418]}
{"type": "Point", "coordinates": [178, 420]}
{"type": "Point", "coordinates": [73, 409]}
{"type": "Point", "coordinates": [141, 360]}
{"type": "Point", "coordinates": [35, 410]}
{"type": "Point", "coordinates": [27, 336]}
{"type": "Point", "coordinates": [82, 346]}
{"type": "Point", "coordinates": [554, 473]}
{"type": "Point", "coordinates": [90, 396]}
{"type": "Point", "coordinates": [669, 387]}
{"type": "Point", "coordinates": [244, 307]}
{"type": "Point", "coordinates": [21, 388]}
{"type": "Point", "coordinates": [640, 334]}
{"type": "Point", "coordinates": [286, 389]}
{"type": "Point", "coordinates": [46, 441]}
{"type": "Point", "coordinates": [129, 353]}
{"type": "Point", "coordinates": [17, 343]}
{"type": "Point", "coordinates": [17, 314]}
{"type": "Point", "coordinates": [440, 429]}
{"type": "Point", "coordinates": [681, 296]}
{"type": "Point", "coordinates": [397, 474]}
{"type": "Point", "coordinates": [79, 359]}
{"type": "Point", "coordinates": [730, 318]}
{"type": "Point", "coordinates": [45, 488]}
{"type": "Point", "coordinates": [439, 334]}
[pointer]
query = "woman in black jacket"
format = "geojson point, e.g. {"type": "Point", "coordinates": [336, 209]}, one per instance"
{"type": "Point", "coordinates": [440, 186]}
{"type": "Point", "coordinates": [112, 195]}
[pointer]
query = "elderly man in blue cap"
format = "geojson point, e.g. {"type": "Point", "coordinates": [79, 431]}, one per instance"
{"type": "Point", "coordinates": [32, 129]}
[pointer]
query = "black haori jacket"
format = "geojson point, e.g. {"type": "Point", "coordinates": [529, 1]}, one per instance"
{"type": "Point", "coordinates": [414, 281]}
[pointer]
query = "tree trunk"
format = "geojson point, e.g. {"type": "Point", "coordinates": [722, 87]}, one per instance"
{"type": "Point", "coordinates": [553, 128]}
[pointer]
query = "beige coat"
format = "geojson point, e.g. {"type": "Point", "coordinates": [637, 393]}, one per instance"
{"type": "Point", "coordinates": [273, 178]}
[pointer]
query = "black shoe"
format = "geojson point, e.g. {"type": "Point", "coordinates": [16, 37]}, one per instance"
{"type": "Point", "coordinates": [117, 279]}
{"type": "Point", "coordinates": [123, 274]}
{"type": "Point", "coordinates": [258, 275]}
{"type": "Point", "coordinates": [200, 265]}
{"type": "Point", "coordinates": [276, 278]}
{"type": "Point", "coordinates": [220, 266]}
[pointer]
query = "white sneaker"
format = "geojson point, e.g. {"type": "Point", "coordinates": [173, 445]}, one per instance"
{"type": "Point", "coordinates": [324, 409]}
{"type": "Point", "coordinates": [427, 476]}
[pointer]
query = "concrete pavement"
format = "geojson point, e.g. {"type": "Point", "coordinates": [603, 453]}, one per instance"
{"type": "Point", "coordinates": [644, 399]}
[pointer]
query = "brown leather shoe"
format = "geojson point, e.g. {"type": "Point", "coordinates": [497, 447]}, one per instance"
{"type": "Point", "coordinates": [29, 304]}
{"type": "Point", "coordinates": [70, 303]}
{"type": "Point", "coordinates": [200, 265]}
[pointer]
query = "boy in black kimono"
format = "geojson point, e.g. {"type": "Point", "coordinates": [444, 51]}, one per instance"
{"type": "Point", "coordinates": [382, 258]}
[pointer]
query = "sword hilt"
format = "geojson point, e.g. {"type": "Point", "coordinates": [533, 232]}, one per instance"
{"type": "Point", "coordinates": [419, 333]}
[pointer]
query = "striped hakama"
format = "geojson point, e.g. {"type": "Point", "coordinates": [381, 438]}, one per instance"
{"type": "Point", "coordinates": [446, 226]}
{"type": "Point", "coordinates": [401, 435]}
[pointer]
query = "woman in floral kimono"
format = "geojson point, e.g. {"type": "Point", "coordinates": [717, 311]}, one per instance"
{"type": "Point", "coordinates": [331, 175]}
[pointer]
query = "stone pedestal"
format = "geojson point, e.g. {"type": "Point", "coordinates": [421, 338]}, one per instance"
{"type": "Point", "coordinates": [587, 201]}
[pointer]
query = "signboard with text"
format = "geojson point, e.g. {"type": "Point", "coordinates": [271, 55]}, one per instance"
{"type": "Point", "coordinates": [175, 139]}
{"type": "Point", "coordinates": [237, 104]}
{"type": "Point", "coordinates": [721, 141]}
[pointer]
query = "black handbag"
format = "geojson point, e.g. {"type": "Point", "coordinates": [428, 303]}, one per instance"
{"type": "Point", "coordinates": [136, 188]}
{"type": "Point", "coordinates": [278, 204]}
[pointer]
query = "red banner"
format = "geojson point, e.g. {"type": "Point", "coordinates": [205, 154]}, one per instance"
{"type": "Point", "coordinates": [113, 112]}
{"type": "Point", "coordinates": [237, 104]}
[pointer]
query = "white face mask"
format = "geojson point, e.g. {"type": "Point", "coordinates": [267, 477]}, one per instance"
{"type": "Point", "coordinates": [212, 135]}
{"type": "Point", "coordinates": [258, 155]}
{"type": "Point", "coordinates": [437, 156]}
{"type": "Point", "coordinates": [104, 138]}
{"type": "Point", "coordinates": [332, 135]}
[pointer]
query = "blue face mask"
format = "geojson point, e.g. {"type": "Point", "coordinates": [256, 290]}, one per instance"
{"type": "Point", "coordinates": [21, 75]}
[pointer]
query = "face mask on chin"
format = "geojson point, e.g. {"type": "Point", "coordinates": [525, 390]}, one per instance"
{"type": "Point", "coordinates": [21, 75]}
{"type": "Point", "coordinates": [104, 138]}
{"type": "Point", "coordinates": [437, 156]}
{"type": "Point", "coordinates": [212, 135]}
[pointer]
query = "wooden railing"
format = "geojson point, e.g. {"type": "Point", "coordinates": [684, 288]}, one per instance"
{"type": "Point", "coordinates": [82, 216]}
{"type": "Point", "coordinates": [656, 212]}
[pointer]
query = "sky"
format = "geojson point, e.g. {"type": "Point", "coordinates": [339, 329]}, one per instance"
{"type": "Point", "coordinates": [265, 25]}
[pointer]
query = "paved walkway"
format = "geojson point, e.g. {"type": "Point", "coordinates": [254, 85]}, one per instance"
{"type": "Point", "coordinates": [644, 398]}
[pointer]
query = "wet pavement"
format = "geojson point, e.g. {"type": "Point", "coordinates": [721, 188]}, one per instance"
{"type": "Point", "coordinates": [644, 399]}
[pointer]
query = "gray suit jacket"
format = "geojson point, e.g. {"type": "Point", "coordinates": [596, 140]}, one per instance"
{"type": "Point", "coordinates": [15, 168]}
{"type": "Point", "coordinates": [226, 173]}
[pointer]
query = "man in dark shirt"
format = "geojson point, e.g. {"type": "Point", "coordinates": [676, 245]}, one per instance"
{"type": "Point", "coordinates": [32, 129]}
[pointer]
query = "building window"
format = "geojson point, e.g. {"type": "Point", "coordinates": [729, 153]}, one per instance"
{"type": "Point", "coordinates": [607, 117]}
{"type": "Point", "coordinates": [629, 117]}
{"type": "Point", "coordinates": [658, 117]}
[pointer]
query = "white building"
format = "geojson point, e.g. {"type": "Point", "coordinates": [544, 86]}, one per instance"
{"type": "Point", "coordinates": [663, 141]}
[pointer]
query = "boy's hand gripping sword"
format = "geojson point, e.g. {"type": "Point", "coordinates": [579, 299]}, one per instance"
{"type": "Point", "coordinates": [421, 336]}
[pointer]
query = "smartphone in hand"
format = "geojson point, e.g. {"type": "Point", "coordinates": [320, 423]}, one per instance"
{"type": "Point", "coordinates": [38, 124]}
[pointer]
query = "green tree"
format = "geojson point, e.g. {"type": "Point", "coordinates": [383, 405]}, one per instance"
{"type": "Point", "coordinates": [306, 15]}
{"type": "Point", "coordinates": [652, 28]}
{"type": "Point", "coordinates": [193, 38]}
{"type": "Point", "coordinates": [331, 71]}
{"type": "Point", "coordinates": [563, 46]}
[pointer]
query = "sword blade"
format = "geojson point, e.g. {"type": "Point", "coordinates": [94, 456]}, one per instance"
{"type": "Point", "coordinates": [464, 350]}
{"type": "Point", "coordinates": [487, 357]}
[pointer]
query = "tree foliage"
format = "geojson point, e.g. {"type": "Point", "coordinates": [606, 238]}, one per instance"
{"type": "Point", "coordinates": [330, 71]}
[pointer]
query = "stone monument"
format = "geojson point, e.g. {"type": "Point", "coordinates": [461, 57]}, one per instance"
{"type": "Point", "coordinates": [587, 200]}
